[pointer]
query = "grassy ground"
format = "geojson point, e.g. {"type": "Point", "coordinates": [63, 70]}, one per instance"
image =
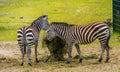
{"type": "Point", "coordinates": [17, 13]}
{"type": "Point", "coordinates": [10, 58]}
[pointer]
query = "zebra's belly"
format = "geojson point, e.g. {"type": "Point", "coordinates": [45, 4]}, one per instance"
{"type": "Point", "coordinates": [84, 41]}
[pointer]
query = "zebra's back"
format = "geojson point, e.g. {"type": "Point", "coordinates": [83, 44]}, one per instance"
{"type": "Point", "coordinates": [89, 33]}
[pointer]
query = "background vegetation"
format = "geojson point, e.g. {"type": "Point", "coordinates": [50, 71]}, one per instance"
{"type": "Point", "coordinates": [17, 13]}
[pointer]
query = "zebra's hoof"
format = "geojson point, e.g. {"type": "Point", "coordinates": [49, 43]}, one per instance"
{"type": "Point", "coordinates": [29, 64]}
{"type": "Point", "coordinates": [21, 64]}
{"type": "Point", "coordinates": [37, 60]}
{"type": "Point", "coordinates": [80, 60]}
{"type": "Point", "coordinates": [107, 60]}
{"type": "Point", "coordinates": [100, 60]}
{"type": "Point", "coordinates": [67, 62]}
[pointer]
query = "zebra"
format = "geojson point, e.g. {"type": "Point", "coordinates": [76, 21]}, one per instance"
{"type": "Point", "coordinates": [76, 35]}
{"type": "Point", "coordinates": [28, 36]}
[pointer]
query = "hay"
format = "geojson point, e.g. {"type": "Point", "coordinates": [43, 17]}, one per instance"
{"type": "Point", "coordinates": [57, 48]}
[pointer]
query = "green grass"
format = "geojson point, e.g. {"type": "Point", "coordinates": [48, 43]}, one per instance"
{"type": "Point", "coordinates": [78, 12]}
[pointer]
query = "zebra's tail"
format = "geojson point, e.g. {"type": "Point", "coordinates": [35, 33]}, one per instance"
{"type": "Point", "coordinates": [108, 22]}
{"type": "Point", "coordinates": [24, 39]}
{"type": "Point", "coordinates": [24, 49]}
{"type": "Point", "coordinates": [108, 38]}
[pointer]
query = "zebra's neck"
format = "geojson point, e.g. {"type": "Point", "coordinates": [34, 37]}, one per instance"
{"type": "Point", "coordinates": [36, 27]}
{"type": "Point", "coordinates": [61, 31]}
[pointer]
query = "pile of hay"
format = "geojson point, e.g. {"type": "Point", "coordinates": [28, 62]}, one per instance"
{"type": "Point", "coordinates": [57, 48]}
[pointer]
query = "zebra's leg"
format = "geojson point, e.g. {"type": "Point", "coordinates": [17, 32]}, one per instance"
{"type": "Point", "coordinates": [36, 45]}
{"type": "Point", "coordinates": [69, 53]}
{"type": "Point", "coordinates": [23, 54]}
{"type": "Point", "coordinates": [107, 55]}
{"type": "Point", "coordinates": [79, 52]}
{"type": "Point", "coordinates": [107, 49]}
{"type": "Point", "coordinates": [29, 54]}
{"type": "Point", "coordinates": [103, 49]}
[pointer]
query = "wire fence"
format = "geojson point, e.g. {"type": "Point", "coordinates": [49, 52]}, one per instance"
{"type": "Point", "coordinates": [116, 15]}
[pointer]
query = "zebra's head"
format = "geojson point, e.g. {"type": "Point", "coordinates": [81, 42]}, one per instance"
{"type": "Point", "coordinates": [41, 22]}
{"type": "Point", "coordinates": [51, 33]}
{"type": "Point", "coordinates": [44, 22]}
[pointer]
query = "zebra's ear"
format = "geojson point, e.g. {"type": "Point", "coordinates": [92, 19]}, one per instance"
{"type": "Point", "coordinates": [45, 17]}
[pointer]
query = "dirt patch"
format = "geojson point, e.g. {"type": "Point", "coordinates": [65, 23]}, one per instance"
{"type": "Point", "coordinates": [9, 49]}
{"type": "Point", "coordinates": [10, 58]}
{"type": "Point", "coordinates": [12, 53]}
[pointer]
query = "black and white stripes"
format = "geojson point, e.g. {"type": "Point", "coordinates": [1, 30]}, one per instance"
{"type": "Point", "coordinates": [28, 36]}
{"type": "Point", "coordinates": [81, 35]}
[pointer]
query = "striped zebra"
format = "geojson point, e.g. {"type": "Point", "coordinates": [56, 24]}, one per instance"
{"type": "Point", "coordinates": [81, 35]}
{"type": "Point", "coordinates": [28, 36]}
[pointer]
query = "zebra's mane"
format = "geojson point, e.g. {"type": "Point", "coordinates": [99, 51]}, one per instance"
{"type": "Point", "coordinates": [61, 23]}
{"type": "Point", "coordinates": [37, 20]}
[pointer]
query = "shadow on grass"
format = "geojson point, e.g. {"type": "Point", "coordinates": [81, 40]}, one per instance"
{"type": "Point", "coordinates": [74, 61]}
{"type": "Point", "coordinates": [14, 63]}
{"type": "Point", "coordinates": [8, 62]}
{"type": "Point", "coordinates": [92, 56]}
